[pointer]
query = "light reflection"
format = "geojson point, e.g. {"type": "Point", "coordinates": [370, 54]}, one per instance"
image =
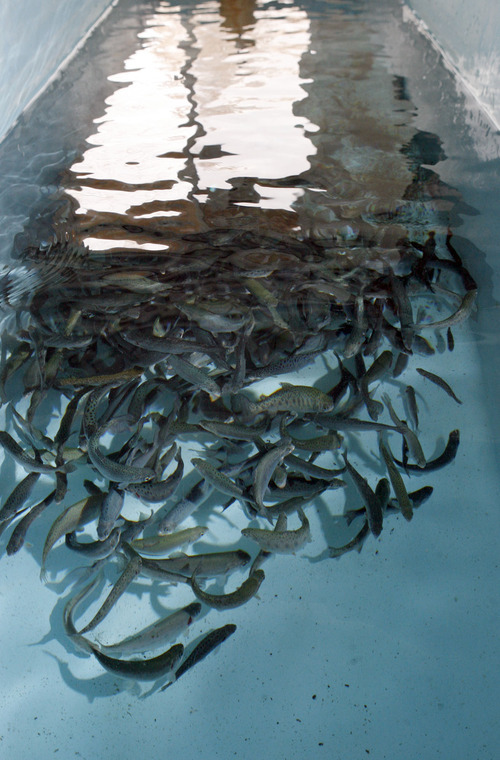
{"type": "Point", "coordinates": [206, 102]}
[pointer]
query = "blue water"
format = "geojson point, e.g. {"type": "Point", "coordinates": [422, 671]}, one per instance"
{"type": "Point", "coordinates": [283, 122]}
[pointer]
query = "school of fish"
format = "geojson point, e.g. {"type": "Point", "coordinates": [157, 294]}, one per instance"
{"type": "Point", "coordinates": [119, 365]}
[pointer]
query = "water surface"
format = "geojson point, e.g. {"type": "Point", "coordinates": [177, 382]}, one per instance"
{"type": "Point", "coordinates": [206, 147]}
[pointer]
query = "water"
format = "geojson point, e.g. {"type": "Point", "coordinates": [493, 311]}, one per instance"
{"type": "Point", "coordinates": [230, 129]}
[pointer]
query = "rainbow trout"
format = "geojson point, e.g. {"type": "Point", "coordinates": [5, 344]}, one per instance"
{"type": "Point", "coordinates": [281, 542]}
{"type": "Point", "coordinates": [236, 598]}
{"type": "Point", "coordinates": [141, 670]}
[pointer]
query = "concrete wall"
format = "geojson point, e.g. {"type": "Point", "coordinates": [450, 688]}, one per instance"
{"type": "Point", "coordinates": [469, 35]}
{"type": "Point", "coordinates": [35, 38]}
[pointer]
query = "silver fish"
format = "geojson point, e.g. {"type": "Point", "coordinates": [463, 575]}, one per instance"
{"type": "Point", "coordinates": [156, 634]}
{"type": "Point", "coordinates": [264, 470]}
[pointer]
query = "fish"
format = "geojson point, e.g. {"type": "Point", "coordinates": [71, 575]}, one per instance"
{"type": "Point", "coordinates": [327, 442]}
{"type": "Point", "coordinates": [18, 535]}
{"type": "Point", "coordinates": [291, 364]}
{"type": "Point", "coordinates": [293, 504]}
{"type": "Point", "coordinates": [162, 544]}
{"type": "Point", "coordinates": [379, 367]}
{"type": "Point", "coordinates": [131, 571]}
{"type": "Point", "coordinates": [411, 439]}
{"type": "Point", "coordinates": [153, 568]}
{"type": "Point", "coordinates": [416, 498]}
{"type": "Point", "coordinates": [115, 471]}
{"type": "Point", "coordinates": [166, 345]}
{"type": "Point", "coordinates": [56, 340]}
{"type": "Point", "coordinates": [236, 598]}
{"type": "Point", "coordinates": [335, 422]}
{"type": "Point", "coordinates": [212, 322]}
{"type": "Point", "coordinates": [412, 404]}
{"type": "Point", "coordinates": [293, 398]}
{"type": "Point", "coordinates": [185, 507]}
{"type": "Point", "coordinates": [30, 434]}
{"type": "Point", "coordinates": [267, 299]}
{"type": "Point", "coordinates": [90, 420]}
{"type": "Point", "coordinates": [450, 339]}
{"type": "Point", "coordinates": [297, 486]}
{"type": "Point", "coordinates": [77, 515]}
{"type": "Point", "coordinates": [205, 565]}
{"type": "Point", "coordinates": [155, 635]}
{"type": "Point", "coordinates": [69, 626]}
{"type": "Point", "coordinates": [30, 464]}
{"type": "Point", "coordinates": [202, 649]}
{"type": "Point", "coordinates": [141, 670]}
{"type": "Point", "coordinates": [18, 496]}
{"type": "Point", "coordinates": [110, 511]}
{"type": "Point", "coordinates": [282, 542]}
{"type": "Point", "coordinates": [447, 456]}
{"type": "Point", "coordinates": [400, 364]}
{"type": "Point", "coordinates": [357, 335]}
{"type": "Point", "coordinates": [95, 549]}
{"type": "Point", "coordinates": [156, 491]}
{"type": "Point", "coordinates": [142, 394]}
{"type": "Point", "coordinates": [373, 504]}
{"type": "Point", "coordinates": [439, 382]}
{"type": "Point", "coordinates": [265, 468]}
{"type": "Point", "coordinates": [313, 470]}
{"type": "Point", "coordinates": [195, 375]}
{"type": "Point", "coordinates": [16, 359]}
{"type": "Point", "coordinates": [405, 312]}
{"type": "Point", "coordinates": [134, 281]}
{"type": "Point", "coordinates": [397, 482]}
{"type": "Point", "coordinates": [355, 542]}
{"type": "Point", "coordinates": [216, 478]}
{"type": "Point", "coordinates": [112, 379]}
{"type": "Point", "coordinates": [232, 430]}
{"type": "Point", "coordinates": [460, 315]}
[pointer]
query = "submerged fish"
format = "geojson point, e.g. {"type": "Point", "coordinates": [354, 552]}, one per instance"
{"type": "Point", "coordinates": [75, 516]}
{"type": "Point", "coordinates": [162, 544]}
{"type": "Point", "coordinates": [439, 382]}
{"type": "Point", "coordinates": [397, 482]}
{"type": "Point", "coordinates": [132, 569]}
{"type": "Point", "coordinates": [216, 478]}
{"type": "Point", "coordinates": [281, 542]}
{"type": "Point", "coordinates": [19, 533]}
{"type": "Point", "coordinates": [18, 496]}
{"type": "Point", "coordinates": [373, 504]}
{"type": "Point", "coordinates": [293, 398]}
{"type": "Point", "coordinates": [30, 464]}
{"type": "Point", "coordinates": [443, 459]}
{"type": "Point", "coordinates": [155, 635]}
{"type": "Point", "coordinates": [203, 648]}
{"type": "Point", "coordinates": [141, 670]}
{"type": "Point", "coordinates": [234, 599]}
{"type": "Point", "coordinates": [264, 470]}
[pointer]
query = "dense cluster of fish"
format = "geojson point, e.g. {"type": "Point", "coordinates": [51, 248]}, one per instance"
{"type": "Point", "coordinates": [120, 363]}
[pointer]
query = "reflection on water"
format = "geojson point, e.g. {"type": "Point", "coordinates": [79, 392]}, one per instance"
{"type": "Point", "coordinates": [252, 205]}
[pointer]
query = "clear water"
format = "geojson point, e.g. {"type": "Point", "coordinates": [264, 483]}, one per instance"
{"type": "Point", "coordinates": [240, 127]}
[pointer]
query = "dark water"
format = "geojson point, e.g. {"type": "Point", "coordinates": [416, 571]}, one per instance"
{"type": "Point", "coordinates": [255, 182]}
